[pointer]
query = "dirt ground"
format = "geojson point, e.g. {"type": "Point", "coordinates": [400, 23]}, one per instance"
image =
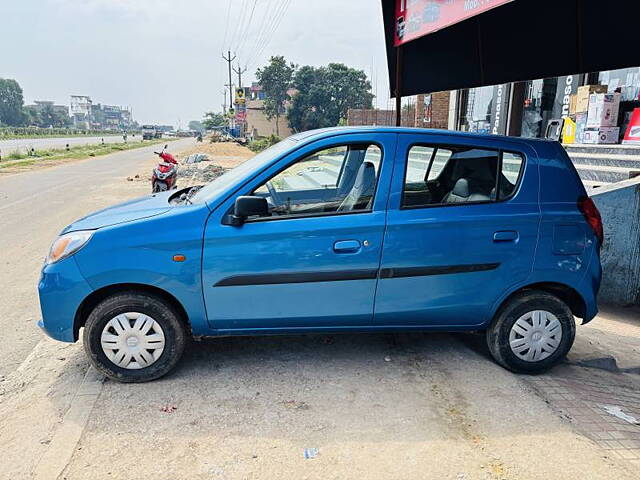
{"type": "Point", "coordinates": [220, 157]}
{"type": "Point", "coordinates": [379, 406]}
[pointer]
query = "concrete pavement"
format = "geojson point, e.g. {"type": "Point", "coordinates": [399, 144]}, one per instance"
{"type": "Point", "coordinates": [39, 143]}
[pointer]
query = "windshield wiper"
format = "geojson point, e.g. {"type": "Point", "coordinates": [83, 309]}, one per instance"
{"type": "Point", "coordinates": [192, 191]}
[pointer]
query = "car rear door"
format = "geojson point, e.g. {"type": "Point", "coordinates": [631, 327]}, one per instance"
{"type": "Point", "coordinates": [453, 245]}
{"type": "Point", "coordinates": [299, 269]}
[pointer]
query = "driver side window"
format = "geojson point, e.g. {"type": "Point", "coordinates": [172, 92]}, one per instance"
{"type": "Point", "coordinates": [342, 178]}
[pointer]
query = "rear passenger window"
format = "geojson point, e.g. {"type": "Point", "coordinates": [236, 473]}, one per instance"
{"type": "Point", "coordinates": [453, 175]}
{"type": "Point", "coordinates": [511, 167]}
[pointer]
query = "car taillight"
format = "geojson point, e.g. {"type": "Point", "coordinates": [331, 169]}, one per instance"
{"type": "Point", "coordinates": [592, 215]}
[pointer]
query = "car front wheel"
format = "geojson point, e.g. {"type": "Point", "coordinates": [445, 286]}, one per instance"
{"type": "Point", "coordinates": [532, 332]}
{"type": "Point", "coordinates": [134, 337]}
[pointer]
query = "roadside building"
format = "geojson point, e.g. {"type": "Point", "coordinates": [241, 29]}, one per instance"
{"type": "Point", "coordinates": [257, 123]}
{"type": "Point", "coordinates": [97, 116]}
{"type": "Point", "coordinates": [46, 114]}
{"type": "Point", "coordinates": [110, 117]}
{"type": "Point", "coordinates": [80, 110]}
{"type": "Point", "coordinates": [528, 108]}
{"type": "Point", "coordinates": [422, 111]}
{"type": "Point", "coordinates": [524, 109]}
{"type": "Point", "coordinates": [42, 105]}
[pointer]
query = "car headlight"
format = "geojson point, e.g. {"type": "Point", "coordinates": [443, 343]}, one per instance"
{"type": "Point", "coordinates": [68, 244]}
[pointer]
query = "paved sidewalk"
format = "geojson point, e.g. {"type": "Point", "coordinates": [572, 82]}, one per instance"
{"type": "Point", "coordinates": [598, 388]}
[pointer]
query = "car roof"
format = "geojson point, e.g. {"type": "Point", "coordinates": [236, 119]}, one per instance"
{"type": "Point", "coordinates": [328, 132]}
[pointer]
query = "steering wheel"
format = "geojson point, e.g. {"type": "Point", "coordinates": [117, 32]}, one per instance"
{"type": "Point", "coordinates": [275, 196]}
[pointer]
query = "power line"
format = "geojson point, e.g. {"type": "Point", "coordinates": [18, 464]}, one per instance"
{"type": "Point", "coordinates": [267, 22]}
{"type": "Point", "coordinates": [248, 27]}
{"type": "Point", "coordinates": [226, 26]}
{"type": "Point", "coordinates": [277, 11]}
{"type": "Point", "coordinates": [276, 24]}
{"type": "Point", "coordinates": [261, 29]}
{"type": "Point", "coordinates": [238, 29]}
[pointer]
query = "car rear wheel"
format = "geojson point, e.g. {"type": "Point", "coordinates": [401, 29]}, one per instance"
{"type": "Point", "coordinates": [532, 332]}
{"type": "Point", "coordinates": [134, 337]}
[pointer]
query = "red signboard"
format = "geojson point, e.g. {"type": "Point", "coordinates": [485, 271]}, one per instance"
{"type": "Point", "coordinates": [416, 18]}
{"type": "Point", "coordinates": [241, 116]}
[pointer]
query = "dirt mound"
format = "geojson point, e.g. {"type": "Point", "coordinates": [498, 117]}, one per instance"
{"type": "Point", "coordinates": [222, 149]}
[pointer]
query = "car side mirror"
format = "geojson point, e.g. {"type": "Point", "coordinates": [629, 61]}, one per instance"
{"type": "Point", "coordinates": [245, 207]}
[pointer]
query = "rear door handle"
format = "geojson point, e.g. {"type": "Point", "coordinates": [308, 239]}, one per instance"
{"type": "Point", "coordinates": [346, 246]}
{"type": "Point", "coordinates": [505, 236]}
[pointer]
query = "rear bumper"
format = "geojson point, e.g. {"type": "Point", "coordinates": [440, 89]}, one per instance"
{"type": "Point", "coordinates": [589, 287]}
{"type": "Point", "coordinates": [61, 289]}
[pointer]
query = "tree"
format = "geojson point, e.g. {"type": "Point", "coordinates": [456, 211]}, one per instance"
{"type": "Point", "coordinates": [325, 94]}
{"type": "Point", "coordinates": [196, 126]}
{"type": "Point", "coordinates": [11, 103]}
{"type": "Point", "coordinates": [31, 116]}
{"type": "Point", "coordinates": [275, 80]}
{"type": "Point", "coordinates": [212, 120]}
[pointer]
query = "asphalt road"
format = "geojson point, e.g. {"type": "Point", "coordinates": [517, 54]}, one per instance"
{"type": "Point", "coordinates": [384, 406]}
{"type": "Point", "coordinates": [34, 207]}
{"type": "Point", "coordinates": [23, 144]}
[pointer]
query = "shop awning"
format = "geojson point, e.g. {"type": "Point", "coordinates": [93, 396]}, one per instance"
{"type": "Point", "coordinates": [521, 40]}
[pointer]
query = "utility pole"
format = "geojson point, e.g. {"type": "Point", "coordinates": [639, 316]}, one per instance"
{"type": "Point", "coordinates": [228, 59]}
{"type": "Point", "coordinates": [240, 71]}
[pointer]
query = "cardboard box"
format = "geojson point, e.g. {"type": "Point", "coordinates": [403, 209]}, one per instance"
{"type": "Point", "coordinates": [581, 125]}
{"type": "Point", "coordinates": [603, 110]}
{"type": "Point", "coordinates": [601, 135]}
{"type": "Point", "coordinates": [584, 92]}
{"type": "Point", "coordinates": [573, 102]}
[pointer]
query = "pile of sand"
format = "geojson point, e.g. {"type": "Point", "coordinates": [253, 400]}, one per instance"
{"type": "Point", "coordinates": [222, 149]}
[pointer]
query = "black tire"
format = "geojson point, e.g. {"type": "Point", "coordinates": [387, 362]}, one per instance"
{"type": "Point", "coordinates": [175, 335]}
{"type": "Point", "coordinates": [497, 335]}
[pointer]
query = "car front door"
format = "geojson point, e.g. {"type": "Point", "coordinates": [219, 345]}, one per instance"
{"type": "Point", "coordinates": [313, 262]}
{"type": "Point", "coordinates": [458, 234]}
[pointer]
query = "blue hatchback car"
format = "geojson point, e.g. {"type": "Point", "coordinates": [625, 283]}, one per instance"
{"type": "Point", "coordinates": [338, 230]}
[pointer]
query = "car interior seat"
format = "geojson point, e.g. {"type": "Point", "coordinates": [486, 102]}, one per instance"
{"type": "Point", "coordinates": [462, 193]}
{"type": "Point", "coordinates": [362, 191]}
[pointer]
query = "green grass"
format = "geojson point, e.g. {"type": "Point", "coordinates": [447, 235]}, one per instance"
{"type": "Point", "coordinates": [20, 159]}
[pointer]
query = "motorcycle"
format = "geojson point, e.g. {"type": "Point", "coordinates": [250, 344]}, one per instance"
{"type": "Point", "coordinates": [165, 175]}
{"type": "Point", "coordinates": [199, 138]}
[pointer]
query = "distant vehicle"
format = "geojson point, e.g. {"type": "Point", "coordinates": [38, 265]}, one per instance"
{"type": "Point", "coordinates": [339, 230]}
{"type": "Point", "coordinates": [149, 132]}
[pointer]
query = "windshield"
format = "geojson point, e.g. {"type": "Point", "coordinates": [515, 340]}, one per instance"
{"type": "Point", "coordinates": [224, 181]}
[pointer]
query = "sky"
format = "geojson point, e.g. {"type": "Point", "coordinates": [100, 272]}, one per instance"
{"type": "Point", "coordinates": [163, 58]}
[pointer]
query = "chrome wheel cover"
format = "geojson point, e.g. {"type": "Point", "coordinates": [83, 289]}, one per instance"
{"type": "Point", "coordinates": [536, 335]}
{"type": "Point", "coordinates": [132, 340]}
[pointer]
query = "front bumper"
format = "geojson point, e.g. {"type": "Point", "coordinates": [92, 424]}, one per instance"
{"type": "Point", "coordinates": [61, 289]}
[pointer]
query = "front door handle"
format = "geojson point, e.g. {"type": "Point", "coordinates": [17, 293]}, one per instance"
{"type": "Point", "coordinates": [505, 236]}
{"type": "Point", "coordinates": [346, 246]}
